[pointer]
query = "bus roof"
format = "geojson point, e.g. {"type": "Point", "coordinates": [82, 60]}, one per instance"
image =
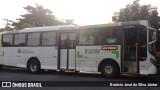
{"type": "Point", "coordinates": [74, 27]}
{"type": "Point", "coordinates": [49, 28]}
{"type": "Point", "coordinates": [138, 22]}
{"type": "Point", "coordinates": [46, 28]}
{"type": "Point", "coordinates": [100, 25]}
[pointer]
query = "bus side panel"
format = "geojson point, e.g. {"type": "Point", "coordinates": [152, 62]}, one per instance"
{"type": "Point", "coordinates": [89, 57]}
{"type": "Point", "coordinates": [146, 67]}
{"type": "Point", "coordinates": [23, 54]}
{"type": "Point", "coordinates": [7, 56]}
{"type": "Point", "coordinates": [71, 61]}
{"type": "Point", "coordinates": [48, 56]}
{"type": "Point", "coordinates": [1, 56]}
{"type": "Point", "coordinates": [1, 50]}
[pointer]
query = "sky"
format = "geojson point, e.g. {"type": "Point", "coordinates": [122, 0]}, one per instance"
{"type": "Point", "coordinates": [83, 12]}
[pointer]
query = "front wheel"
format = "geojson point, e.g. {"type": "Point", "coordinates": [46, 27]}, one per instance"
{"type": "Point", "coordinates": [110, 70]}
{"type": "Point", "coordinates": [34, 66]}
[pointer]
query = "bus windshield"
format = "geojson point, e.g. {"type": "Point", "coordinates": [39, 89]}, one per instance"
{"type": "Point", "coordinates": [152, 40]}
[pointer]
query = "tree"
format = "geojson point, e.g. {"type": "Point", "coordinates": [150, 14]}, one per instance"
{"type": "Point", "coordinates": [24, 25]}
{"type": "Point", "coordinates": [154, 20]}
{"type": "Point", "coordinates": [125, 15]}
{"type": "Point", "coordinates": [144, 15]}
{"type": "Point", "coordinates": [37, 17]}
{"type": "Point", "coordinates": [135, 11]}
{"type": "Point", "coordinates": [7, 28]}
{"type": "Point", "coordinates": [66, 22]}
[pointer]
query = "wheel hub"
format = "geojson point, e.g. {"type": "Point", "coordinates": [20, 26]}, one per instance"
{"type": "Point", "coordinates": [33, 67]}
{"type": "Point", "coordinates": [109, 69]}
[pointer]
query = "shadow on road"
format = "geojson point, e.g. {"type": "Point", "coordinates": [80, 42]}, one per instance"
{"type": "Point", "coordinates": [83, 75]}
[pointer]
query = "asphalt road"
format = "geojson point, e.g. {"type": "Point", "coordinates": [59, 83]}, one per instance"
{"type": "Point", "coordinates": [16, 74]}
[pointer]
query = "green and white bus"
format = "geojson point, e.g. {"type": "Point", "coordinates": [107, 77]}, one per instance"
{"type": "Point", "coordinates": [111, 49]}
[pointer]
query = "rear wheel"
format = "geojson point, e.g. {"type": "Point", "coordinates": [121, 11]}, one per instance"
{"type": "Point", "coordinates": [34, 66]}
{"type": "Point", "coordinates": [76, 71]}
{"type": "Point", "coordinates": [110, 69]}
{"type": "Point", "coordinates": [0, 66]}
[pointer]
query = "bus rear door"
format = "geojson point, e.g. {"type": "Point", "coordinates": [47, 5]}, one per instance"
{"type": "Point", "coordinates": [67, 50]}
{"type": "Point", "coordinates": [130, 63]}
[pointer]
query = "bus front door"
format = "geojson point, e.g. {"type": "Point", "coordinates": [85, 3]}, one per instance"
{"type": "Point", "coordinates": [130, 63]}
{"type": "Point", "coordinates": [67, 50]}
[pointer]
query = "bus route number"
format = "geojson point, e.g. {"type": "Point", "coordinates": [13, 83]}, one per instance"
{"type": "Point", "coordinates": [92, 51]}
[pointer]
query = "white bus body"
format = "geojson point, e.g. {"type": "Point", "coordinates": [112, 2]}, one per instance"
{"type": "Point", "coordinates": [72, 49]}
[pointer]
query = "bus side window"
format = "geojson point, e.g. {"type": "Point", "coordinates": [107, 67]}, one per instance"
{"type": "Point", "coordinates": [20, 40]}
{"type": "Point", "coordinates": [7, 40]}
{"type": "Point", "coordinates": [64, 41]}
{"type": "Point", "coordinates": [33, 39]}
{"type": "Point", "coordinates": [87, 37]}
{"type": "Point", "coordinates": [108, 36]}
{"type": "Point", "coordinates": [49, 38]}
{"type": "Point", "coordinates": [72, 40]}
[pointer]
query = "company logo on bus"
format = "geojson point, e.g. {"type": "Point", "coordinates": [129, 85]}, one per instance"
{"type": "Point", "coordinates": [19, 50]}
{"type": "Point", "coordinates": [109, 48]}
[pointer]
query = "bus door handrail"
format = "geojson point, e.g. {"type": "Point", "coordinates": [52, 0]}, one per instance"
{"type": "Point", "coordinates": [152, 41]}
{"type": "Point", "coordinates": [155, 38]}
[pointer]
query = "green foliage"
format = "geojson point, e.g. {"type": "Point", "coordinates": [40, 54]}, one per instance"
{"type": "Point", "coordinates": [154, 20]}
{"type": "Point", "coordinates": [66, 22]}
{"type": "Point", "coordinates": [8, 28]}
{"type": "Point", "coordinates": [38, 17]}
{"type": "Point", "coordinates": [135, 11]}
{"type": "Point", "coordinates": [144, 15]}
{"type": "Point", "coordinates": [2, 29]}
{"type": "Point", "coordinates": [114, 19]}
{"type": "Point", "coordinates": [24, 25]}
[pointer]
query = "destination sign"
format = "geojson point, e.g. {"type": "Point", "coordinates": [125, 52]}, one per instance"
{"type": "Point", "coordinates": [109, 48]}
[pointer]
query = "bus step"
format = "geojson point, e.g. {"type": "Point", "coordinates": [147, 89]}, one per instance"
{"type": "Point", "coordinates": [67, 70]}
{"type": "Point", "coordinates": [129, 73]}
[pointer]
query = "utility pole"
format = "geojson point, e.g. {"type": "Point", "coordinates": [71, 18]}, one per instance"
{"type": "Point", "coordinates": [7, 27]}
{"type": "Point", "coordinates": [7, 20]}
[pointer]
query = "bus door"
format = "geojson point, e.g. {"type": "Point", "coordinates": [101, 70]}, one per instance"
{"type": "Point", "coordinates": [67, 50]}
{"type": "Point", "coordinates": [130, 63]}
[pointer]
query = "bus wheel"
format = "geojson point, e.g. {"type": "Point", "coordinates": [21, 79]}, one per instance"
{"type": "Point", "coordinates": [1, 66]}
{"type": "Point", "coordinates": [110, 69]}
{"type": "Point", "coordinates": [76, 71]}
{"type": "Point", "coordinates": [34, 66]}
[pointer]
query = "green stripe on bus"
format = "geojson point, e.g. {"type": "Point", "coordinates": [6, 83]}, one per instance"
{"type": "Point", "coordinates": [79, 55]}
{"type": "Point", "coordinates": [110, 24]}
{"type": "Point", "coordinates": [116, 53]}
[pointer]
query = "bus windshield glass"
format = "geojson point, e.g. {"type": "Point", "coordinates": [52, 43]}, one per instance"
{"type": "Point", "coordinates": [152, 40]}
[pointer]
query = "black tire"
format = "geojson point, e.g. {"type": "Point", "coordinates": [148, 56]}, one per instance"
{"type": "Point", "coordinates": [76, 71]}
{"type": "Point", "coordinates": [34, 66]}
{"type": "Point", "coordinates": [110, 69]}
{"type": "Point", "coordinates": [1, 67]}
